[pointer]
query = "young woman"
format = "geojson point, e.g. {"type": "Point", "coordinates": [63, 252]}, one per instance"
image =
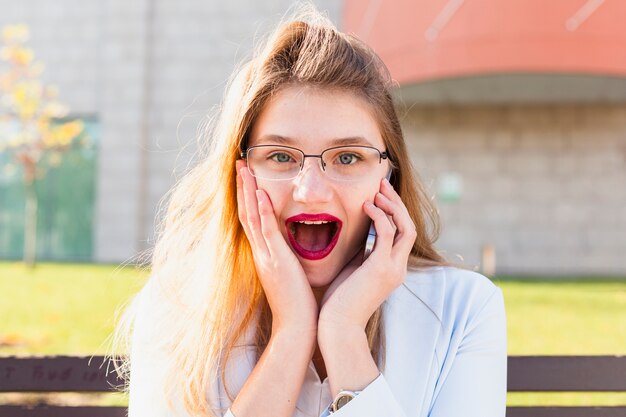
{"type": "Point", "coordinates": [262, 300]}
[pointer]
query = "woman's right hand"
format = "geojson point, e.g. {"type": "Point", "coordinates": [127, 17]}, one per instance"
{"type": "Point", "coordinates": [284, 281]}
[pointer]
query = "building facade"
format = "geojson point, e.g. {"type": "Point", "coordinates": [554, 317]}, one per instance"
{"type": "Point", "coordinates": [517, 130]}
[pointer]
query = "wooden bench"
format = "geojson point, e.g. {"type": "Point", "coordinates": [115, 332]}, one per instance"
{"type": "Point", "coordinates": [525, 373]}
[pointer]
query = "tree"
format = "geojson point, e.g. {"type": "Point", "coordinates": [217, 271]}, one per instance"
{"type": "Point", "coordinates": [32, 123]}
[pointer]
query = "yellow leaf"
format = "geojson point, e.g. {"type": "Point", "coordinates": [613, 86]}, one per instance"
{"type": "Point", "coordinates": [15, 33]}
{"type": "Point", "coordinates": [28, 109]}
{"type": "Point", "coordinates": [22, 56]}
{"type": "Point", "coordinates": [12, 339]}
{"type": "Point", "coordinates": [64, 134]}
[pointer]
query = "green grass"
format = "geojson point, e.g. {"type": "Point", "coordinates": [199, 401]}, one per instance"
{"type": "Point", "coordinates": [568, 317]}
{"type": "Point", "coordinates": [565, 317]}
{"type": "Point", "coordinates": [62, 308]}
{"type": "Point", "coordinates": [70, 309]}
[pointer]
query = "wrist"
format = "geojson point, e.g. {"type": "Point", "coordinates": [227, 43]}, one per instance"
{"type": "Point", "coordinates": [331, 335]}
{"type": "Point", "coordinates": [300, 331]}
{"type": "Point", "coordinates": [348, 360]}
{"type": "Point", "coordinates": [330, 327]}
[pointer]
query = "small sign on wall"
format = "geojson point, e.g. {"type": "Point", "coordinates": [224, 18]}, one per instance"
{"type": "Point", "coordinates": [449, 187]}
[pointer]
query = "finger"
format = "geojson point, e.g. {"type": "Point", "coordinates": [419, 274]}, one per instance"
{"type": "Point", "coordinates": [384, 231]}
{"type": "Point", "coordinates": [388, 191]}
{"type": "Point", "coordinates": [269, 226]}
{"type": "Point", "coordinates": [389, 207]}
{"type": "Point", "coordinates": [406, 234]}
{"type": "Point", "coordinates": [252, 210]}
{"type": "Point", "coordinates": [241, 205]}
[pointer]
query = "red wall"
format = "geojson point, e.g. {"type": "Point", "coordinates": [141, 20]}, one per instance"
{"type": "Point", "coordinates": [491, 36]}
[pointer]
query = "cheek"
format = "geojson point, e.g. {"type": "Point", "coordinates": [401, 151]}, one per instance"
{"type": "Point", "coordinates": [367, 193]}
{"type": "Point", "coordinates": [277, 196]}
{"type": "Point", "coordinates": [359, 219]}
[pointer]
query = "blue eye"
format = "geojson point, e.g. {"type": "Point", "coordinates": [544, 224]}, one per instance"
{"type": "Point", "coordinates": [348, 158]}
{"type": "Point", "coordinates": [280, 157]}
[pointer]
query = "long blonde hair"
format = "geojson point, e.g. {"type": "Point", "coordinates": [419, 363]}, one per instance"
{"type": "Point", "coordinates": [203, 272]}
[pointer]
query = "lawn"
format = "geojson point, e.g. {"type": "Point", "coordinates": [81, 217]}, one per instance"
{"type": "Point", "coordinates": [70, 309]}
{"type": "Point", "coordinates": [62, 308]}
{"type": "Point", "coordinates": [584, 317]}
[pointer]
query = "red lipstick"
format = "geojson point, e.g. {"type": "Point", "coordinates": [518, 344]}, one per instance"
{"type": "Point", "coordinates": [309, 254]}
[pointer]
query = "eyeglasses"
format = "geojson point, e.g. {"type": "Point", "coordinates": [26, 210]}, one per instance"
{"type": "Point", "coordinates": [342, 163]}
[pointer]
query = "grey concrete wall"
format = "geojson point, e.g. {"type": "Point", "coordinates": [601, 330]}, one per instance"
{"type": "Point", "coordinates": [65, 36]}
{"type": "Point", "coordinates": [546, 185]}
{"type": "Point", "coordinates": [151, 71]}
{"type": "Point", "coordinates": [124, 49]}
{"type": "Point", "coordinates": [196, 46]}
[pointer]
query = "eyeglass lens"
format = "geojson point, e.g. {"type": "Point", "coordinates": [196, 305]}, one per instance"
{"type": "Point", "coordinates": [345, 163]}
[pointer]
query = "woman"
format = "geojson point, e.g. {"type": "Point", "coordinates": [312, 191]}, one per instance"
{"type": "Point", "coordinates": [262, 300]}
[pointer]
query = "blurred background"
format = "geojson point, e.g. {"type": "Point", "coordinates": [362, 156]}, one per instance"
{"type": "Point", "coordinates": [514, 113]}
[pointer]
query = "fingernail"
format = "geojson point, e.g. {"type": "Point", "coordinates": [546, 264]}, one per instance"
{"type": "Point", "coordinates": [259, 195]}
{"type": "Point", "coordinates": [387, 183]}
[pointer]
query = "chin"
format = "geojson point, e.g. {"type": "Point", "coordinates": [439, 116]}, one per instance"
{"type": "Point", "coordinates": [321, 273]}
{"type": "Point", "coordinates": [318, 275]}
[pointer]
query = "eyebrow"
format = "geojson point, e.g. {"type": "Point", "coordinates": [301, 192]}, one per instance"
{"type": "Point", "coordinates": [352, 140]}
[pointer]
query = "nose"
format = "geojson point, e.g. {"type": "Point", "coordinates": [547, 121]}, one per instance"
{"type": "Point", "coordinates": [311, 185]}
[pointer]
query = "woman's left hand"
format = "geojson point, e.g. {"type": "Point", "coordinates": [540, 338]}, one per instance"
{"type": "Point", "coordinates": [359, 289]}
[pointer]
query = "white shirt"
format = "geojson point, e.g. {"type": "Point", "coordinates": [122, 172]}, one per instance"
{"type": "Point", "coordinates": [445, 357]}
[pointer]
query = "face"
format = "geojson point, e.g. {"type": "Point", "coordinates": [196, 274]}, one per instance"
{"type": "Point", "coordinates": [312, 120]}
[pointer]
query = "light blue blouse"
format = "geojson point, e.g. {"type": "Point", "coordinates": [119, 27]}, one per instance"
{"type": "Point", "coordinates": [446, 356]}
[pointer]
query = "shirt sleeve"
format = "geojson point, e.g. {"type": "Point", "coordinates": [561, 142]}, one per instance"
{"type": "Point", "coordinates": [476, 384]}
{"type": "Point", "coordinates": [374, 400]}
{"type": "Point", "coordinates": [147, 378]}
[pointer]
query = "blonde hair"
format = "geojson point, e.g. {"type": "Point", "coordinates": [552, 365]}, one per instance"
{"type": "Point", "coordinates": [203, 274]}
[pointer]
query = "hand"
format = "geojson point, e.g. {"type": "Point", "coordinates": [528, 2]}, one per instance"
{"type": "Point", "coordinates": [360, 288]}
{"type": "Point", "coordinates": [284, 281]}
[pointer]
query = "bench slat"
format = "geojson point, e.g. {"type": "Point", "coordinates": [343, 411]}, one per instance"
{"type": "Point", "coordinates": [51, 411]}
{"type": "Point", "coordinates": [566, 373]}
{"type": "Point", "coordinates": [566, 412]}
{"type": "Point", "coordinates": [525, 373]}
{"type": "Point", "coordinates": [57, 373]}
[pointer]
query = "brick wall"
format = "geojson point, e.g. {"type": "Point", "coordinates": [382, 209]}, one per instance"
{"type": "Point", "coordinates": [543, 183]}
{"type": "Point", "coordinates": [546, 185]}
{"type": "Point", "coordinates": [151, 71]}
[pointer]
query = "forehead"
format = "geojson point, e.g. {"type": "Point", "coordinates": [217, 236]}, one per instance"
{"type": "Point", "coordinates": [314, 119]}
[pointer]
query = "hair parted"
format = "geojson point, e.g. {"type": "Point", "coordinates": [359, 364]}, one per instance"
{"type": "Point", "coordinates": [203, 296]}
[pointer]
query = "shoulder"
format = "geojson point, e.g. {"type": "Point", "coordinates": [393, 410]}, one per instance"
{"type": "Point", "coordinates": [456, 282]}
{"type": "Point", "coordinates": [451, 292]}
{"type": "Point", "coordinates": [468, 285]}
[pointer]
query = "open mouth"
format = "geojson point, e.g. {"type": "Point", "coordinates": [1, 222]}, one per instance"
{"type": "Point", "coordinates": [313, 236]}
